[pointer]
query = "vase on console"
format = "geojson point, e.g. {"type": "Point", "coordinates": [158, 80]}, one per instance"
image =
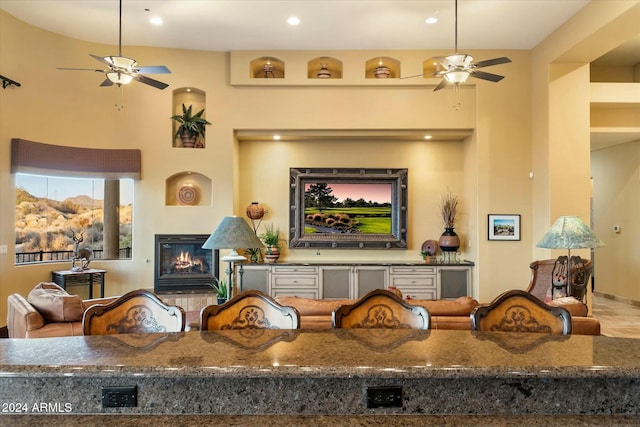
{"type": "Point", "coordinates": [449, 240]}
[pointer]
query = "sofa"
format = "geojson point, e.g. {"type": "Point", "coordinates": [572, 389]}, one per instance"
{"type": "Point", "coordinates": [48, 311]}
{"type": "Point", "coordinates": [445, 314]}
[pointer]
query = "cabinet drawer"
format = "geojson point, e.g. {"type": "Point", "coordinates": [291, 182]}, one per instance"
{"type": "Point", "coordinates": [294, 293]}
{"type": "Point", "coordinates": [279, 281]}
{"type": "Point", "coordinates": [406, 269]}
{"type": "Point", "coordinates": [422, 294]}
{"type": "Point", "coordinates": [414, 281]}
{"type": "Point", "coordinates": [290, 269]}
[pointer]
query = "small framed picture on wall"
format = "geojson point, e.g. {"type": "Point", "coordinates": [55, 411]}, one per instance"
{"type": "Point", "coordinates": [504, 227]}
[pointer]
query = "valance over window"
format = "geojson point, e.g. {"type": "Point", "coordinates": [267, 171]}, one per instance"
{"type": "Point", "coordinates": [56, 160]}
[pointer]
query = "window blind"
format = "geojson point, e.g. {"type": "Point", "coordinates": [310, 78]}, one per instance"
{"type": "Point", "coordinates": [57, 160]}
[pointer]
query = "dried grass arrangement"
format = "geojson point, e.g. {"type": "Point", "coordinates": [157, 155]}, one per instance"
{"type": "Point", "coordinates": [448, 209]}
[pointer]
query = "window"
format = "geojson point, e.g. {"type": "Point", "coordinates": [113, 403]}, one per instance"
{"type": "Point", "coordinates": [53, 213]}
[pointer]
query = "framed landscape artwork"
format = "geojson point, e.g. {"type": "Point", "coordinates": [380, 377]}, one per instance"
{"type": "Point", "coordinates": [348, 208]}
{"type": "Point", "coordinates": [504, 227]}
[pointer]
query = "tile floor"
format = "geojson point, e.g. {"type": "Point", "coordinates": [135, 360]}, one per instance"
{"type": "Point", "coordinates": [617, 319]}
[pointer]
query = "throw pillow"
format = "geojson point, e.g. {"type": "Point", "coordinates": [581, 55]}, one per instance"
{"type": "Point", "coordinates": [55, 304]}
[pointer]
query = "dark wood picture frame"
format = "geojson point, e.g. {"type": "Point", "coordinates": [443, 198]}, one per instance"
{"type": "Point", "coordinates": [393, 180]}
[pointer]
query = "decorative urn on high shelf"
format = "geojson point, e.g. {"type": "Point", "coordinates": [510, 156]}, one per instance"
{"type": "Point", "coordinates": [449, 240]}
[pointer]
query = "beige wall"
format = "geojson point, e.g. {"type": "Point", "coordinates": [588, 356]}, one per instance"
{"type": "Point", "coordinates": [489, 169]}
{"type": "Point", "coordinates": [616, 182]}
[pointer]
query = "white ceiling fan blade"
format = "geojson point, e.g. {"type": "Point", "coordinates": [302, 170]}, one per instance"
{"type": "Point", "coordinates": [153, 69]}
{"type": "Point", "coordinates": [489, 62]}
{"type": "Point", "coordinates": [485, 76]}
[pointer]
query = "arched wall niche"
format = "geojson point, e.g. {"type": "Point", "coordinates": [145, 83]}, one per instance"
{"type": "Point", "coordinates": [266, 67]}
{"type": "Point", "coordinates": [188, 96]}
{"type": "Point", "coordinates": [324, 67]}
{"type": "Point", "coordinates": [188, 189]}
{"type": "Point", "coordinates": [382, 67]}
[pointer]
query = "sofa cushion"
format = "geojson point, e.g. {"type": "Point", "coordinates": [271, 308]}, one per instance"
{"type": "Point", "coordinates": [575, 307]}
{"type": "Point", "coordinates": [462, 306]}
{"type": "Point", "coordinates": [55, 304]}
{"type": "Point", "coordinates": [312, 307]}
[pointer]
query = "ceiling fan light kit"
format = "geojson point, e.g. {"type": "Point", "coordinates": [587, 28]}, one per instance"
{"type": "Point", "coordinates": [119, 78]}
{"type": "Point", "coordinates": [456, 68]}
{"type": "Point", "coordinates": [122, 70]}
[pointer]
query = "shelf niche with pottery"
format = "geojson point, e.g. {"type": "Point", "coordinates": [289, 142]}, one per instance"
{"type": "Point", "coordinates": [324, 67]}
{"type": "Point", "coordinates": [188, 189]}
{"type": "Point", "coordinates": [187, 96]}
{"type": "Point", "coordinates": [266, 67]}
{"type": "Point", "coordinates": [382, 67]}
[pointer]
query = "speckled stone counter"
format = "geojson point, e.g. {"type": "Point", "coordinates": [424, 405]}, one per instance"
{"type": "Point", "coordinates": [304, 375]}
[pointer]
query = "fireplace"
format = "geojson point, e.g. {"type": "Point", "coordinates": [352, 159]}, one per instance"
{"type": "Point", "coordinates": [182, 265]}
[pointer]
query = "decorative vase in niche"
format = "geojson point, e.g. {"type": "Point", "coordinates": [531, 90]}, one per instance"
{"type": "Point", "coordinates": [382, 72]}
{"type": "Point", "coordinates": [449, 240]}
{"type": "Point", "coordinates": [187, 141]}
{"type": "Point", "coordinates": [324, 72]}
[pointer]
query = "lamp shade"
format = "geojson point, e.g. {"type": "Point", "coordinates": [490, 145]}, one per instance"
{"type": "Point", "coordinates": [232, 233]}
{"type": "Point", "coordinates": [570, 232]}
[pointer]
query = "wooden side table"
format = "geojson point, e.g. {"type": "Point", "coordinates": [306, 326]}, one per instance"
{"type": "Point", "coordinates": [89, 277]}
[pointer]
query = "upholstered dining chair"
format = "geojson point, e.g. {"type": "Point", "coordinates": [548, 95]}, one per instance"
{"type": "Point", "coordinates": [544, 271]}
{"type": "Point", "coordinates": [138, 311]}
{"type": "Point", "coordinates": [251, 309]}
{"type": "Point", "coordinates": [519, 311]}
{"type": "Point", "coordinates": [381, 308]}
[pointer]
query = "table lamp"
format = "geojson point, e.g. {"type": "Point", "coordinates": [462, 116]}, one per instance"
{"type": "Point", "coordinates": [232, 233]}
{"type": "Point", "coordinates": [569, 232]}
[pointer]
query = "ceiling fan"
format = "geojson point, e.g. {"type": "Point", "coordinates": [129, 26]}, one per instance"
{"type": "Point", "coordinates": [122, 70]}
{"type": "Point", "coordinates": [456, 68]}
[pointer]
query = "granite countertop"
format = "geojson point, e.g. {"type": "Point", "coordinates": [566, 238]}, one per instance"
{"type": "Point", "coordinates": [325, 353]}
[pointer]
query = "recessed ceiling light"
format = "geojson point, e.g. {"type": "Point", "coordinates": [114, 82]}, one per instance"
{"type": "Point", "coordinates": [293, 20]}
{"type": "Point", "coordinates": [156, 20]}
{"type": "Point", "coordinates": [428, 137]}
{"type": "Point", "coordinates": [276, 137]}
{"type": "Point", "coordinates": [431, 20]}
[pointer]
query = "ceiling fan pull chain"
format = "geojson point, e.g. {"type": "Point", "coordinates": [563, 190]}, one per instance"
{"type": "Point", "coordinates": [456, 97]}
{"type": "Point", "coordinates": [120, 98]}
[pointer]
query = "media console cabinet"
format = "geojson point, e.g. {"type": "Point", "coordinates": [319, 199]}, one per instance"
{"type": "Point", "coordinates": [353, 280]}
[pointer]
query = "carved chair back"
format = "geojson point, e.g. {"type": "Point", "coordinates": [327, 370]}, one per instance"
{"type": "Point", "coordinates": [250, 309]}
{"type": "Point", "coordinates": [519, 311]}
{"type": "Point", "coordinates": [138, 311]}
{"type": "Point", "coordinates": [547, 272]}
{"type": "Point", "coordinates": [381, 309]}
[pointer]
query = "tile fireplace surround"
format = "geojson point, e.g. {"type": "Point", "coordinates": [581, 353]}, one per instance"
{"type": "Point", "coordinates": [305, 378]}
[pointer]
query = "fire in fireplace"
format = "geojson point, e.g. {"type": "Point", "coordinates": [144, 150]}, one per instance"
{"type": "Point", "coordinates": [182, 265]}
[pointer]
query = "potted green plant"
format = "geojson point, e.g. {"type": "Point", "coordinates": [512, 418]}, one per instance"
{"type": "Point", "coordinates": [191, 125]}
{"type": "Point", "coordinates": [221, 289]}
{"type": "Point", "coordinates": [271, 239]}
